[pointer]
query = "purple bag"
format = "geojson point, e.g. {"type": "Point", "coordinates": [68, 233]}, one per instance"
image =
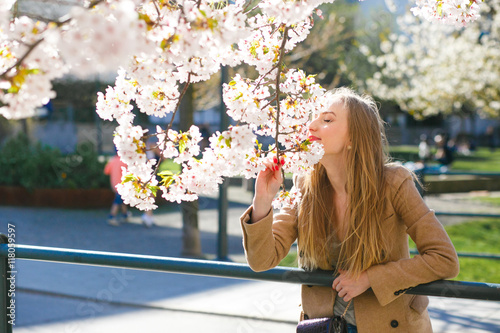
{"type": "Point", "coordinates": [336, 324]}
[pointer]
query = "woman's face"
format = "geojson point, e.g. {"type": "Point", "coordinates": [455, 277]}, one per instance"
{"type": "Point", "coordinates": [330, 128]}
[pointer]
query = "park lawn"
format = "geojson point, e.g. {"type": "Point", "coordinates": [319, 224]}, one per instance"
{"type": "Point", "coordinates": [479, 236]}
{"type": "Point", "coordinates": [482, 160]}
{"type": "Point", "coordinates": [494, 201]}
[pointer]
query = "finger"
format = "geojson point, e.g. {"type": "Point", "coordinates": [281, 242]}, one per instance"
{"type": "Point", "coordinates": [269, 165]}
{"type": "Point", "coordinates": [336, 281]}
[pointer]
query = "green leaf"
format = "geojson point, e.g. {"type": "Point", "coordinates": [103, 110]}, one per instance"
{"type": "Point", "coordinates": [153, 189]}
{"type": "Point", "coordinates": [165, 173]}
{"type": "Point", "coordinates": [182, 145]}
{"type": "Point", "coordinates": [167, 181]}
{"type": "Point", "coordinates": [440, 8]}
{"type": "Point", "coordinates": [128, 178]}
{"type": "Point", "coordinates": [238, 97]}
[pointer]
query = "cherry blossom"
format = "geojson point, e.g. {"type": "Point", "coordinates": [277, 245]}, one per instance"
{"type": "Point", "coordinates": [451, 12]}
{"type": "Point", "coordinates": [159, 48]}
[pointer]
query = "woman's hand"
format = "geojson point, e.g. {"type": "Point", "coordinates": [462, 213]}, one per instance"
{"type": "Point", "coordinates": [348, 288]}
{"type": "Point", "coordinates": [266, 186]}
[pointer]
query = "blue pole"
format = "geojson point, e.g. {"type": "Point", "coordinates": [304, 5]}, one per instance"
{"type": "Point", "coordinates": [223, 205]}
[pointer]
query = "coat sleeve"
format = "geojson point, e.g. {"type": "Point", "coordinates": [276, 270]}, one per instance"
{"type": "Point", "coordinates": [268, 241]}
{"type": "Point", "coordinates": [437, 257]}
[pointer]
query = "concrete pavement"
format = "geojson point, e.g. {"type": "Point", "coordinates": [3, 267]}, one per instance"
{"type": "Point", "coordinates": [55, 297]}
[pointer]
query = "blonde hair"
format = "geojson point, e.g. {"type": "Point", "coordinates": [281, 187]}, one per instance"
{"type": "Point", "coordinates": [364, 244]}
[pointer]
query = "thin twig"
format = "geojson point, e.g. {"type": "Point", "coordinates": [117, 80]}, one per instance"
{"type": "Point", "coordinates": [169, 126]}
{"type": "Point", "coordinates": [20, 60]}
{"type": "Point", "coordinates": [94, 3]}
{"type": "Point", "coordinates": [278, 75]}
{"type": "Point", "coordinates": [263, 76]}
{"type": "Point", "coordinates": [35, 44]}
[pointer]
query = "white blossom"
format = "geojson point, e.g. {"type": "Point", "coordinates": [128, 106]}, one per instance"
{"type": "Point", "coordinates": [157, 47]}
{"type": "Point", "coordinates": [439, 74]}
{"type": "Point", "coordinates": [450, 12]}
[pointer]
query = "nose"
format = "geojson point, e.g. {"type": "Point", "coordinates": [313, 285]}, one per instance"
{"type": "Point", "coordinates": [312, 125]}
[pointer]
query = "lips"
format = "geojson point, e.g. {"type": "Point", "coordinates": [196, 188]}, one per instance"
{"type": "Point", "coordinates": [313, 138]}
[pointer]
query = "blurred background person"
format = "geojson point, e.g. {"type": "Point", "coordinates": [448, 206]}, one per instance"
{"type": "Point", "coordinates": [114, 170]}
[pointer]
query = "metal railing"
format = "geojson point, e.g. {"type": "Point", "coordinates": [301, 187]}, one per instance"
{"type": "Point", "coordinates": [430, 172]}
{"type": "Point", "coordinates": [469, 255]}
{"type": "Point", "coordinates": [460, 173]}
{"type": "Point", "coordinates": [443, 288]}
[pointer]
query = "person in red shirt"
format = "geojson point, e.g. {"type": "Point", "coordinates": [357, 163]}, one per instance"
{"type": "Point", "coordinates": [114, 169]}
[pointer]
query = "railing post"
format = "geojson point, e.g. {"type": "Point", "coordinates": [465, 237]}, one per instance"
{"type": "Point", "coordinates": [7, 317]}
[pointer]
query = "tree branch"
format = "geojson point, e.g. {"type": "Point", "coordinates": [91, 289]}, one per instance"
{"type": "Point", "coordinates": [20, 60]}
{"type": "Point", "coordinates": [169, 126]}
{"type": "Point", "coordinates": [278, 75]}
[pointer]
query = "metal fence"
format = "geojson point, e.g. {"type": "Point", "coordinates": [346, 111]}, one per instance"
{"type": "Point", "coordinates": [443, 288]}
{"type": "Point", "coordinates": [421, 173]}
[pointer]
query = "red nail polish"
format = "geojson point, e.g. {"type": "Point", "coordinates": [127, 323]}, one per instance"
{"type": "Point", "coordinates": [282, 161]}
{"type": "Point", "coordinates": [276, 168]}
{"type": "Point", "coordinates": [275, 160]}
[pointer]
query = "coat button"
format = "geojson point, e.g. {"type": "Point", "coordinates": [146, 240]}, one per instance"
{"type": "Point", "coordinates": [394, 323]}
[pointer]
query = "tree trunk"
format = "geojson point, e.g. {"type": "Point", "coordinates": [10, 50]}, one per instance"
{"type": "Point", "coordinates": [191, 243]}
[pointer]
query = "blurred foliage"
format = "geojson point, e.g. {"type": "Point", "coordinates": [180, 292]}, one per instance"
{"type": "Point", "coordinates": [29, 165]}
{"type": "Point", "coordinates": [332, 49]}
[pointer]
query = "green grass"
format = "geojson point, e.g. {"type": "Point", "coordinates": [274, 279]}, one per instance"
{"type": "Point", "coordinates": [290, 260]}
{"type": "Point", "coordinates": [494, 201]}
{"type": "Point", "coordinates": [479, 236]}
{"type": "Point", "coordinates": [482, 160]}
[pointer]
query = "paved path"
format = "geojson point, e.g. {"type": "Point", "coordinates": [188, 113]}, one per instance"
{"type": "Point", "coordinates": [54, 297]}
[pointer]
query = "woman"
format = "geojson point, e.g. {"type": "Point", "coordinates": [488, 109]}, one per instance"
{"type": "Point", "coordinates": [354, 218]}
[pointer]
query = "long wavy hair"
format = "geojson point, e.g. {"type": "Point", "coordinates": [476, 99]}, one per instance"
{"type": "Point", "coordinates": [364, 244]}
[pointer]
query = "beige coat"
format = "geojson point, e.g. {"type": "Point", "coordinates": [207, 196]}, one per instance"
{"type": "Point", "coordinates": [385, 307]}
